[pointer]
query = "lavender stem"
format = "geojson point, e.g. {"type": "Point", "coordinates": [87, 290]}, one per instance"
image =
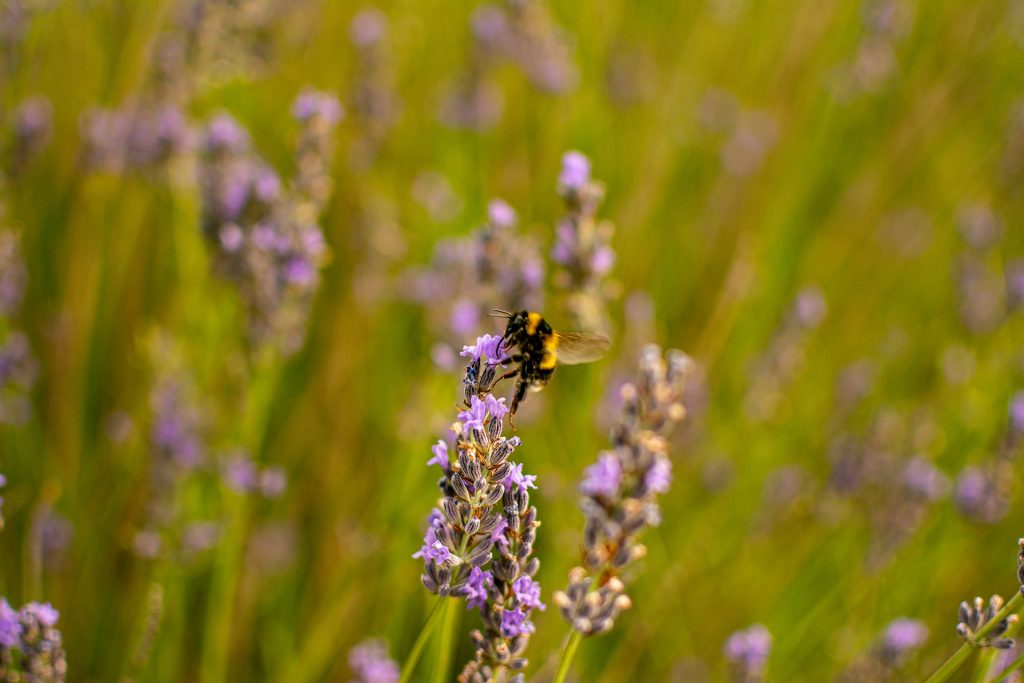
{"type": "Point", "coordinates": [957, 659]}
{"type": "Point", "coordinates": [1013, 666]}
{"type": "Point", "coordinates": [568, 652]}
{"type": "Point", "coordinates": [449, 621]}
{"type": "Point", "coordinates": [421, 640]}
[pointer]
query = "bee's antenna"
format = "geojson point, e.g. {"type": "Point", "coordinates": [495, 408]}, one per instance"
{"type": "Point", "coordinates": [500, 313]}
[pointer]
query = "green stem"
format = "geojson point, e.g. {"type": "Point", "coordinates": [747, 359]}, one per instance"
{"type": "Point", "coordinates": [1014, 665]}
{"type": "Point", "coordinates": [421, 641]}
{"type": "Point", "coordinates": [444, 656]}
{"type": "Point", "coordinates": [568, 652]}
{"type": "Point", "coordinates": [957, 659]}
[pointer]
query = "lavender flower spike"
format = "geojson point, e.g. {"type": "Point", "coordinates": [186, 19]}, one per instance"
{"type": "Point", "coordinates": [620, 491]}
{"type": "Point", "coordinates": [583, 245]}
{"type": "Point", "coordinates": [479, 540]}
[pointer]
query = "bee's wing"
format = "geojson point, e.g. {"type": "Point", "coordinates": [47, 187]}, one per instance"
{"type": "Point", "coordinates": [580, 347]}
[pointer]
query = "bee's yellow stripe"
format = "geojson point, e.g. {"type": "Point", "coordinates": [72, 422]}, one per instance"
{"type": "Point", "coordinates": [532, 321]}
{"type": "Point", "coordinates": [550, 357]}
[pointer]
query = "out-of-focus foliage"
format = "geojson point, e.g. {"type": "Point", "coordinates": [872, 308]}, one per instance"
{"type": "Point", "coordinates": [820, 202]}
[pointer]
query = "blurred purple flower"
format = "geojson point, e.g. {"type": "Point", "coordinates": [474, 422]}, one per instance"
{"type": "Point", "coordinates": [903, 635]}
{"type": "Point", "coordinates": [1017, 412]}
{"type": "Point", "coordinates": [315, 104]}
{"type": "Point", "coordinates": [500, 214]}
{"type": "Point", "coordinates": [224, 134]}
{"type": "Point", "coordinates": [10, 627]}
{"type": "Point", "coordinates": [603, 477]}
{"type": "Point", "coordinates": [923, 478]}
{"type": "Point", "coordinates": [659, 477]}
{"type": "Point", "coordinates": [749, 649]}
{"type": "Point", "coordinates": [575, 171]}
{"type": "Point", "coordinates": [368, 27]}
{"type": "Point", "coordinates": [273, 482]}
{"type": "Point", "coordinates": [370, 662]}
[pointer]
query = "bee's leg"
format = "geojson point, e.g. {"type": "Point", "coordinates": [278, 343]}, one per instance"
{"type": "Point", "coordinates": [520, 393]}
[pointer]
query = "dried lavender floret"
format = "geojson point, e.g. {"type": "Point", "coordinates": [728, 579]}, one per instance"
{"type": "Point", "coordinates": [976, 614]}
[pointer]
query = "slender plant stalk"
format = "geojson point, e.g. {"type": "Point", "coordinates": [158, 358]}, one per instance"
{"type": "Point", "coordinates": [957, 659]}
{"type": "Point", "coordinates": [568, 652]}
{"type": "Point", "coordinates": [421, 640]}
{"type": "Point", "coordinates": [1014, 665]}
{"type": "Point", "coordinates": [445, 646]}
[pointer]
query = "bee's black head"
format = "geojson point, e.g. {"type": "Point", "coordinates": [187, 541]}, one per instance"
{"type": "Point", "coordinates": [517, 323]}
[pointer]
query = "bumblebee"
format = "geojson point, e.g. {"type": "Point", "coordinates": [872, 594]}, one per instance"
{"type": "Point", "coordinates": [539, 348]}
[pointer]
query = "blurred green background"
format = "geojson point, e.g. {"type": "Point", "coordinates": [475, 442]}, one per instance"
{"type": "Point", "coordinates": [796, 188]}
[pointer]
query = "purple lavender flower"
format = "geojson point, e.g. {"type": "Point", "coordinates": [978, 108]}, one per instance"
{"type": "Point", "coordinates": [440, 451]}
{"type": "Point", "coordinates": [659, 477]}
{"type": "Point", "coordinates": [10, 627]}
{"type": "Point", "coordinates": [370, 662]}
{"type": "Point", "coordinates": [263, 232]}
{"type": "Point", "coordinates": [902, 636]}
{"type": "Point", "coordinates": [477, 588]}
{"type": "Point", "coordinates": [982, 494]}
{"type": "Point", "coordinates": [240, 473]}
{"type": "Point", "coordinates": [225, 135]}
{"type": "Point", "coordinates": [273, 482]}
{"type": "Point", "coordinates": [603, 477]}
{"type": "Point", "coordinates": [575, 172]}
{"type": "Point", "coordinates": [527, 592]}
{"type": "Point", "coordinates": [922, 478]}
{"type": "Point", "coordinates": [31, 647]}
{"type": "Point", "coordinates": [515, 623]}
{"type": "Point", "coordinates": [517, 478]}
{"type": "Point", "coordinates": [475, 416]}
{"type": "Point", "coordinates": [620, 491]}
{"type": "Point", "coordinates": [1017, 412]}
{"type": "Point", "coordinates": [488, 346]}
{"type": "Point", "coordinates": [434, 550]}
{"type": "Point", "coordinates": [465, 317]}
{"type": "Point", "coordinates": [583, 245]}
{"type": "Point", "coordinates": [32, 121]}
{"type": "Point", "coordinates": [136, 138]}
{"type": "Point", "coordinates": [748, 652]}
{"type": "Point", "coordinates": [526, 35]}
{"type": "Point", "coordinates": [479, 542]}
{"type": "Point", "coordinates": [312, 104]}
{"type": "Point", "coordinates": [501, 215]}
{"type": "Point", "coordinates": [368, 27]}
{"type": "Point", "coordinates": [175, 434]}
